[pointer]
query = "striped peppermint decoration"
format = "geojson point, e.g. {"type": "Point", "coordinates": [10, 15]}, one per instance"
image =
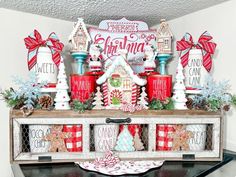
{"type": "Point", "coordinates": [105, 93]}
{"type": "Point", "coordinates": [34, 41]}
{"type": "Point", "coordinates": [134, 94]}
{"type": "Point", "coordinates": [207, 47]}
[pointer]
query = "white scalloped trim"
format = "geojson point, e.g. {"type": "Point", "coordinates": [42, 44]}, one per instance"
{"type": "Point", "coordinates": [120, 61]}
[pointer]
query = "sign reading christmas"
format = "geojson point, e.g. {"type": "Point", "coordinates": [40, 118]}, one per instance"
{"type": "Point", "coordinates": [113, 35]}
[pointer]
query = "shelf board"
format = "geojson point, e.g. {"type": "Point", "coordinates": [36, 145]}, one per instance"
{"type": "Point", "coordinates": [14, 113]}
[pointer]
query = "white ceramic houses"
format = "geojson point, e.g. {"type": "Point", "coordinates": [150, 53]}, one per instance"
{"type": "Point", "coordinates": [164, 38]}
{"type": "Point", "coordinates": [79, 37]}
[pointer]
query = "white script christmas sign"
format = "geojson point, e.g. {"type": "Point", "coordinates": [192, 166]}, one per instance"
{"type": "Point", "coordinates": [113, 35]}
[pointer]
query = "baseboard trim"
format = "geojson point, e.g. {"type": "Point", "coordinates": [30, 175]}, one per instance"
{"type": "Point", "coordinates": [230, 145]}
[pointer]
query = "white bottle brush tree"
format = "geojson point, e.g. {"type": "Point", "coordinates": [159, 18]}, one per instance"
{"type": "Point", "coordinates": [143, 99]}
{"type": "Point", "coordinates": [98, 104]}
{"type": "Point", "coordinates": [62, 98]}
{"type": "Point", "coordinates": [179, 96]}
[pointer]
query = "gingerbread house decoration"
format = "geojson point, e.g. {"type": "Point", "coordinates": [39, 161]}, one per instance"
{"type": "Point", "coordinates": [120, 84]}
{"type": "Point", "coordinates": [164, 38]}
{"type": "Point", "coordinates": [79, 37]}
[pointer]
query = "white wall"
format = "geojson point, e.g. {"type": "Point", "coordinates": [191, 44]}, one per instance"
{"type": "Point", "coordinates": [220, 22]}
{"type": "Point", "coordinates": [14, 27]}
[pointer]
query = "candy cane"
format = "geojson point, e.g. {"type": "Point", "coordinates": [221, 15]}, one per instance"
{"type": "Point", "coordinates": [105, 93]}
{"type": "Point", "coordinates": [134, 94]}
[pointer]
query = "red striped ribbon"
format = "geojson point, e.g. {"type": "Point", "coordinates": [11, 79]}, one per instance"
{"type": "Point", "coordinates": [34, 41]}
{"type": "Point", "coordinates": [207, 47]}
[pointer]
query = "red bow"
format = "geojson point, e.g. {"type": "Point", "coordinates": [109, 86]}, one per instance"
{"type": "Point", "coordinates": [34, 41]}
{"type": "Point", "coordinates": [207, 47]}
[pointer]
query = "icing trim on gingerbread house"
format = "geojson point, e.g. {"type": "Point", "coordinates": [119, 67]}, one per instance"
{"type": "Point", "coordinates": [120, 61]}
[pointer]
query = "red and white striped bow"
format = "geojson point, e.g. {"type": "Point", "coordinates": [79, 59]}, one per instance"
{"type": "Point", "coordinates": [207, 47]}
{"type": "Point", "coordinates": [34, 41]}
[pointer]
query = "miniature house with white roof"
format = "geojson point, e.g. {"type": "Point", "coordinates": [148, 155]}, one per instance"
{"type": "Point", "coordinates": [120, 84]}
{"type": "Point", "coordinates": [79, 37]}
{"type": "Point", "coordinates": [164, 38]}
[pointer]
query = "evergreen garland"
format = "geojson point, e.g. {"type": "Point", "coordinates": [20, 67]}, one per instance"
{"type": "Point", "coordinates": [157, 104]}
{"type": "Point", "coordinates": [80, 107]}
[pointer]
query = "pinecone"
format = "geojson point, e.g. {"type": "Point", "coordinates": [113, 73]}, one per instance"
{"type": "Point", "coordinates": [226, 107]}
{"type": "Point", "coordinates": [202, 105]}
{"type": "Point", "coordinates": [189, 103]}
{"type": "Point", "coordinates": [205, 105]}
{"type": "Point", "coordinates": [45, 101]}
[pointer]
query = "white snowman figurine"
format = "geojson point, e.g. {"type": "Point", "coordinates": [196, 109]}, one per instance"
{"type": "Point", "coordinates": [95, 58]}
{"type": "Point", "coordinates": [149, 59]}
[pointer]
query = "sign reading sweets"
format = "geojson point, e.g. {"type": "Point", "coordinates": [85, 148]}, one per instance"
{"type": "Point", "coordinates": [112, 35]}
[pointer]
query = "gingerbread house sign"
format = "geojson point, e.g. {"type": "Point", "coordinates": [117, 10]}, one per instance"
{"type": "Point", "coordinates": [79, 37]}
{"type": "Point", "coordinates": [120, 84]}
{"type": "Point", "coordinates": [164, 38]}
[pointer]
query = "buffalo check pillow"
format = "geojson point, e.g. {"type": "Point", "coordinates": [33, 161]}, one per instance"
{"type": "Point", "coordinates": [73, 144]}
{"type": "Point", "coordinates": [163, 140]}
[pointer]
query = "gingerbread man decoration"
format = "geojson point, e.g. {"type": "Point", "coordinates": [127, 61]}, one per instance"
{"type": "Point", "coordinates": [180, 138]}
{"type": "Point", "coordinates": [57, 139]}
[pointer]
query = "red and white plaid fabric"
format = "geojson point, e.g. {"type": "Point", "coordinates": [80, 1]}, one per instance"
{"type": "Point", "coordinates": [164, 141]}
{"type": "Point", "coordinates": [131, 128]}
{"type": "Point", "coordinates": [74, 144]}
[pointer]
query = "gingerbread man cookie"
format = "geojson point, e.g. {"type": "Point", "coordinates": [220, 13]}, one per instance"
{"type": "Point", "coordinates": [180, 138]}
{"type": "Point", "coordinates": [57, 139]}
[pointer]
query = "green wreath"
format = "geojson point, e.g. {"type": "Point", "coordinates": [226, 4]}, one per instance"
{"type": "Point", "coordinates": [115, 82]}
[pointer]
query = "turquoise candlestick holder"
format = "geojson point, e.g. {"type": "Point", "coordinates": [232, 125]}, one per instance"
{"type": "Point", "coordinates": [163, 58]}
{"type": "Point", "coordinates": [79, 58]}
